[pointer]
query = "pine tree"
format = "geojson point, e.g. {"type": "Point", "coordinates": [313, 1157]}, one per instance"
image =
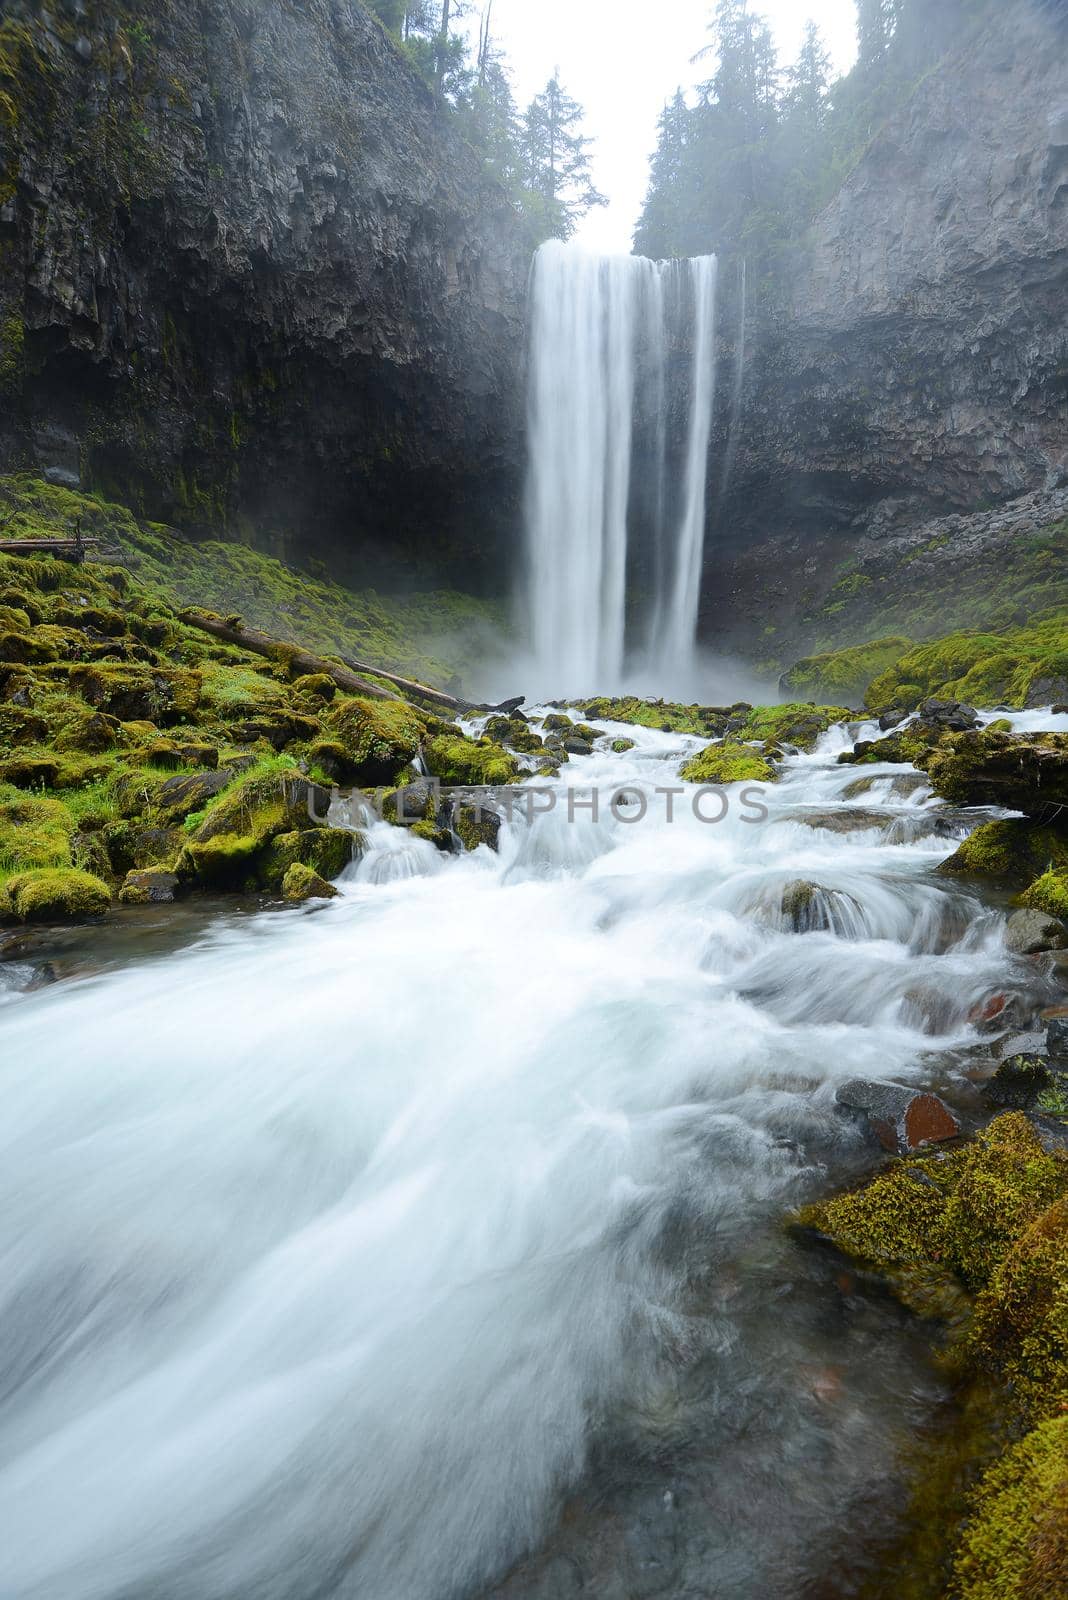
{"type": "Point", "coordinates": [807, 82]}
{"type": "Point", "coordinates": [874, 27]}
{"type": "Point", "coordinates": [664, 223]}
{"type": "Point", "coordinates": [556, 162]}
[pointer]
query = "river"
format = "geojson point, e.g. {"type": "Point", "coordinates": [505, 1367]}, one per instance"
{"type": "Point", "coordinates": [346, 1246]}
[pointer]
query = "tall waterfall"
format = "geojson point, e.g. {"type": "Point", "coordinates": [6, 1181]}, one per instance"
{"type": "Point", "coordinates": [615, 511]}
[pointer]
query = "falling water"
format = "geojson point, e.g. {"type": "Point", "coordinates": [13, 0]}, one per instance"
{"type": "Point", "coordinates": [603, 333]}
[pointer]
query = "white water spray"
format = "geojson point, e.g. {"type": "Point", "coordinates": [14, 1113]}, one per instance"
{"type": "Point", "coordinates": [603, 330]}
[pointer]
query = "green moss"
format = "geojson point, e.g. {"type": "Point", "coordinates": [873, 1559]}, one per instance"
{"type": "Point", "coordinates": [955, 1214]}
{"type": "Point", "coordinates": [1049, 893]}
{"type": "Point", "coordinates": [476, 764]}
{"type": "Point", "coordinates": [54, 894]}
{"type": "Point", "coordinates": [34, 832]}
{"type": "Point", "coordinates": [797, 723]}
{"type": "Point", "coordinates": [326, 851]}
{"type": "Point", "coordinates": [1014, 849]}
{"type": "Point", "coordinates": [377, 738]}
{"type": "Point", "coordinates": [620, 747]}
{"type": "Point", "coordinates": [664, 715]}
{"type": "Point", "coordinates": [838, 675]}
{"type": "Point", "coordinates": [302, 883]}
{"type": "Point", "coordinates": [1015, 1543]}
{"type": "Point", "coordinates": [728, 762]}
{"type": "Point", "coordinates": [983, 669]}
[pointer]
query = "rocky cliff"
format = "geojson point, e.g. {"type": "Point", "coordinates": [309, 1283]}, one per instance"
{"type": "Point", "coordinates": [920, 365]}
{"type": "Point", "coordinates": [250, 276]}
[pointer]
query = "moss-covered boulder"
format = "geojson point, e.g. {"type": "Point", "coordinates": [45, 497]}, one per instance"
{"type": "Point", "coordinates": [1022, 666]}
{"type": "Point", "coordinates": [1014, 1545]}
{"type": "Point", "coordinates": [152, 887]}
{"type": "Point", "coordinates": [796, 723]}
{"type": "Point", "coordinates": [326, 851]}
{"type": "Point", "coordinates": [1049, 892]}
{"type": "Point", "coordinates": [303, 883]}
{"type": "Point", "coordinates": [368, 742]}
{"type": "Point", "coordinates": [728, 762]}
{"type": "Point", "coordinates": [54, 894]}
{"type": "Point", "coordinates": [138, 693]}
{"type": "Point", "coordinates": [1014, 850]}
{"type": "Point", "coordinates": [469, 762]}
{"type": "Point", "coordinates": [35, 831]}
{"type": "Point", "coordinates": [1021, 772]}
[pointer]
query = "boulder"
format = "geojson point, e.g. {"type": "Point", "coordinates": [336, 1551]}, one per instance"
{"type": "Point", "coordinates": [1057, 1032]}
{"type": "Point", "coordinates": [952, 715]}
{"type": "Point", "coordinates": [901, 1119]}
{"type": "Point", "coordinates": [149, 888]}
{"type": "Point", "coordinates": [1025, 772]}
{"type": "Point", "coordinates": [1029, 933]}
{"type": "Point", "coordinates": [303, 883]}
{"type": "Point", "coordinates": [1018, 1081]}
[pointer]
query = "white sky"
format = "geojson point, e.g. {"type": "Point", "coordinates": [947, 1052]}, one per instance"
{"type": "Point", "coordinates": [622, 59]}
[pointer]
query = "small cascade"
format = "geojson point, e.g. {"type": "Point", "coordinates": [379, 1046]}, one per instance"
{"type": "Point", "coordinates": [619, 431]}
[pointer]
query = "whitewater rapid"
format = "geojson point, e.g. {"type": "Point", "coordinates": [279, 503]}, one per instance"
{"type": "Point", "coordinates": [331, 1245]}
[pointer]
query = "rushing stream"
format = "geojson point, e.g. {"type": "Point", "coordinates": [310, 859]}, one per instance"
{"type": "Point", "coordinates": [341, 1247]}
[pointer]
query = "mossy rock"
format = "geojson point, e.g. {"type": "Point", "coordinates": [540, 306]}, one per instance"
{"type": "Point", "coordinates": [35, 831]}
{"type": "Point", "coordinates": [619, 747]}
{"type": "Point", "coordinates": [1015, 1543]}
{"type": "Point", "coordinates": [316, 685]}
{"type": "Point", "coordinates": [303, 883]}
{"type": "Point", "coordinates": [327, 851]}
{"type": "Point", "coordinates": [54, 894]}
{"type": "Point", "coordinates": [173, 800]}
{"type": "Point", "coordinates": [154, 886]}
{"type": "Point", "coordinates": [1014, 849]}
{"type": "Point", "coordinates": [728, 762]}
{"type": "Point", "coordinates": [133, 846]}
{"type": "Point", "coordinates": [951, 1216]}
{"type": "Point", "coordinates": [1049, 893]}
{"type": "Point", "coordinates": [21, 726]}
{"type": "Point", "coordinates": [138, 693]}
{"type": "Point", "coordinates": [91, 732]}
{"type": "Point", "coordinates": [470, 763]}
{"type": "Point", "coordinates": [797, 723]}
{"type": "Point", "coordinates": [1022, 772]}
{"type": "Point", "coordinates": [1019, 667]}
{"type": "Point", "coordinates": [371, 740]}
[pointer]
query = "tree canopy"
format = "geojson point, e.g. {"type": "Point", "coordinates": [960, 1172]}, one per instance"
{"type": "Point", "coordinates": [745, 168]}
{"type": "Point", "coordinates": [539, 155]}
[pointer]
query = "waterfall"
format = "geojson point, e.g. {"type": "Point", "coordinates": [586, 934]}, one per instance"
{"type": "Point", "coordinates": [603, 332]}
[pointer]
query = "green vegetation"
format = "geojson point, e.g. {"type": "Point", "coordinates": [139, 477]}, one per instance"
{"type": "Point", "coordinates": [797, 724]}
{"type": "Point", "coordinates": [705, 721]}
{"type": "Point", "coordinates": [978, 1237]}
{"type": "Point", "coordinates": [136, 744]}
{"type": "Point", "coordinates": [728, 762]}
{"type": "Point", "coordinates": [844, 674]}
{"type": "Point", "coordinates": [1022, 665]}
{"type": "Point", "coordinates": [745, 169]}
{"type": "Point", "coordinates": [457, 760]}
{"type": "Point", "coordinates": [1049, 892]}
{"type": "Point", "coordinates": [233, 578]}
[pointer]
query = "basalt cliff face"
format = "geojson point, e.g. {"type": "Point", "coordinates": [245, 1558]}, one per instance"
{"type": "Point", "coordinates": [919, 369]}
{"type": "Point", "coordinates": [252, 278]}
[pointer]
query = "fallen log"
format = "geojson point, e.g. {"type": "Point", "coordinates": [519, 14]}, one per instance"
{"type": "Point", "coordinates": [436, 697]}
{"type": "Point", "coordinates": [301, 663]}
{"type": "Point", "coordinates": [66, 549]}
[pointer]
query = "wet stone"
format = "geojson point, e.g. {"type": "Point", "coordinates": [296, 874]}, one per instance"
{"type": "Point", "coordinates": [901, 1119]}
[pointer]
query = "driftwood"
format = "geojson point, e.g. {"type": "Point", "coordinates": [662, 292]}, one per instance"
{"type": "Point", "coordinates": [67, 549]}
{"type": "Point", "coordinates": [301, 662]}
{"type": "Point", "coordinates": [437, 697]}
{"type": "Point", "coordinates": [347, 677]}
